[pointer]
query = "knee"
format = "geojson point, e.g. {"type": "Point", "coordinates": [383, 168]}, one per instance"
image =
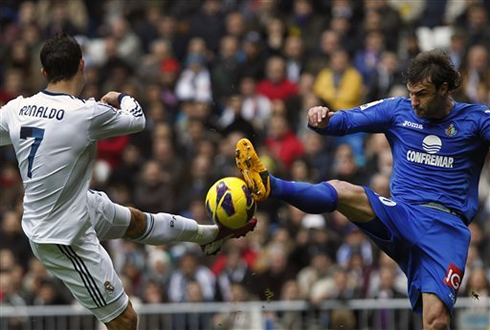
{"type": "Point", "coordinates": [346, 189]}
{"type": "Point", "coordinates": [128, 320]}
{"type": "Point", "coordinates": [436, 320]}
{"type": "Point", "coordinates": [137, 224]}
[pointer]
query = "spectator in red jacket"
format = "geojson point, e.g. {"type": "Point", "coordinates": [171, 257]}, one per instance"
{"type": "Point", "coordinates": [275, 85]}
{"type": "Point", "coordinates": [282, 142]}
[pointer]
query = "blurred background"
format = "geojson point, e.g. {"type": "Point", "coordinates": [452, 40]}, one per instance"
{"type": "Point", "coordinates": [208, 72]}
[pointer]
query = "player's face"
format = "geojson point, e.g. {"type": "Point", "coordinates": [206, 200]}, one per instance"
{"type": "Point", "coordinates": [427, 101]}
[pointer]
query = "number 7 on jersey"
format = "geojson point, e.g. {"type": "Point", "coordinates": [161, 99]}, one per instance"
{"type": "Point", "coordinates": [37, 134]}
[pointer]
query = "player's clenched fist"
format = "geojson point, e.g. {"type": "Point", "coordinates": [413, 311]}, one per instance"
{"type": "Point", "coordinates": [319, 116]}
{"type": "Point", "coordinates": [111, 98]}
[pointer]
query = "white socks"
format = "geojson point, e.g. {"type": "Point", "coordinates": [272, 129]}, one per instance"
{"type": "Point", "coordinates": [164, 228]}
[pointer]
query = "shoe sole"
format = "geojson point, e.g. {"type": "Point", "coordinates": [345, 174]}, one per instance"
{"type": "Point", "coordinates": [254, 179]}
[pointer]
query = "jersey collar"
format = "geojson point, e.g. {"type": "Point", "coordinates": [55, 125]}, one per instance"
{"type": "Point", "coordinates": [47, 92]}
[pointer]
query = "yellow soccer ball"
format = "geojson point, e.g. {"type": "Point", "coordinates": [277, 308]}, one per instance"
{"type": "Point", "coordinates": [229, 203]}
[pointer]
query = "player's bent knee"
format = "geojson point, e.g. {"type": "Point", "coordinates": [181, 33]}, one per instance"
{"type": "Point", "coordinates": [137, 224]}
{"type": "Point", "coordinates": [128, 320]}
{"type": "Point", "coordinates": [436, 321]}
{"type": "Point", "coordinates": [436, 315]}
{"type": "Point", "coordinates": [352, 201]}
{"type": "Point", "coordinates": [346, 189]}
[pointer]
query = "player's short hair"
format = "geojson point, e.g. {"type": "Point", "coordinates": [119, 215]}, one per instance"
{"type": "Point", "coordinates": [436, 66]}
{"type": "Point", "coordinates": [60, 57]}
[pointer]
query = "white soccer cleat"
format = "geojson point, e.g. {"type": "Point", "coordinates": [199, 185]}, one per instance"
{"type": "Point", "coordinates": [225, 234]}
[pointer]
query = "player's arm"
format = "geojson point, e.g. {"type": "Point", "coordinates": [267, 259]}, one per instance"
{"type": "Point", "coordinates": [4, 129]}
{"type": "Point", "coordinates": [374, 117]}
{"type": "Point", "coordinates": [116, 114]}
{"type": "Point", "coordinates": [4, 133]}
{"type": "Point", "coordinates": [485, 125]}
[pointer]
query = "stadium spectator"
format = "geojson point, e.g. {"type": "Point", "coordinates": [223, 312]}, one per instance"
{"type": "Point", "coordinates": [457, 48]}
{"type": "Point", "coordinates": [298, 104]}
{"type": "Point", "coordinates": [236, 25]}
{"type": "Point", "coordinates": [320, 56]}
{"type": "Point", "coordinates": [194, 82]}
{"type": "Point", "coordinates": [294, 54]}
{"type": "Point", "coordinates": [385, 319]}
{"type": "Point", "coordinates": [339, 85]}
{"type": "Point", "coordinates": [476, 73]}
{"type": "Point", "coordinates": [272, 272]}
{"type": "Point", "coordinates": [306, 22]}
{"type": "Point", "coordinates": [12, 237]}
{"type": "Point", "coordinates": [256, 108]}
{"type": "Point", "coordinates": [147, 27]}
{"type": "Point", "coordinates": [275, 35]}
{"type": "Point", "coordinates": [368, 58]}
{"type": "Point", "coordinates": [254, 57]}
{"type": "Point", "coordinates": [152, 192]}
{"type": "Point", "coordinates": [249, 320]}
{"type": "Point", "coordinates": [276, 85]}
{"type": "Point", "coordinates": [210, 15]}
{"type": "Point", "coordinates": [235, 271]}
{"type": "Point", "coordinates": [232, 119]}
{"type": "Point", "coordinates": [190, 271]}
{"type": "Point", "coordinates": [225, 70]}
{"type": "Point", "coordinates": [320, 266]}
{"type": "Point", "coordinates": [283, 142]}
{"type": "Point", "coordinates": [385, 76]}
{"type": "Point", "coordinates": [475, 21]}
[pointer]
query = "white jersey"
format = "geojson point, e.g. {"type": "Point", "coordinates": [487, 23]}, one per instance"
{"type": "Point", "coordinates": [55, 139]}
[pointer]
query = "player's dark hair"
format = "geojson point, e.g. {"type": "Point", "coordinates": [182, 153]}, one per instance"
{"type": "Point", "coordinates": [436, 66]}
{"type": "Point", "coordinates": [60, 57]}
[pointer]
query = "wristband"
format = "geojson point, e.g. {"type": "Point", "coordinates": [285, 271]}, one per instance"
{"type": "Point", "coordinates": [120, 97]}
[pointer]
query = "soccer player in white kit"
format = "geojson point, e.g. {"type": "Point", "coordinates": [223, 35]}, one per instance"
{"type": "Point", "coordinates": [55, 135]}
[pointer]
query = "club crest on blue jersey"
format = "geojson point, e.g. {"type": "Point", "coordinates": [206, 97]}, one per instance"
{"type": "Point", "coordinates": [451, 130]}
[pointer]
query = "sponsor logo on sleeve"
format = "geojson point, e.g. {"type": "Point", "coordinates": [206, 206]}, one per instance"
{"type": "Point", "coordinates": [370, 104]}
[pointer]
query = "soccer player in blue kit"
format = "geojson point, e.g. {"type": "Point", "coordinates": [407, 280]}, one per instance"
{"type": "Point", "coordinates": [439, 148]}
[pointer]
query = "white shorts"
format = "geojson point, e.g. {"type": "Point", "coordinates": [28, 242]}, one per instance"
{"type": "Point", "coordinates": [85, 266]}
{"type": "Point", "coordinates": [110, 220]}
{"type": "Point", "coordinates": [87, 270]}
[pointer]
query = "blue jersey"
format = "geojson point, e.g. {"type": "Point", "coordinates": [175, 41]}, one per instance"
{"type": "Point", "coordinates": [433, 160]}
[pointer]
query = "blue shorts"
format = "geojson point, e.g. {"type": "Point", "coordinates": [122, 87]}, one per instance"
{"type": "Point", "coordinates": [429, 245]}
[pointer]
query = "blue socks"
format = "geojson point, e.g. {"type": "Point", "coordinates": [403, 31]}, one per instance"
{"type": "Point", "coordinates": [310, 198]}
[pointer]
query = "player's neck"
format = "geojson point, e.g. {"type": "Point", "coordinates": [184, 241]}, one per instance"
{"type": "Point", "coordinates": [71, 87]}
{"type": "Point", "coordinates": [446, 108]}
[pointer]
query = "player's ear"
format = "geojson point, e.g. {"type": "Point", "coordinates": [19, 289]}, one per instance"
{"type": "Point", "coordinates": [444, 88]}
{"type": "Point", "coordinates": [43, 72]}
{"type": "Point", "coordinates": [81, 65]}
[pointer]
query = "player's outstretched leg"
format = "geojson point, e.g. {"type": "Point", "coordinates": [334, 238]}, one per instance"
{"type": "Point", "coordinates": [112, 221]}
{"type": "Point", "coordinates": [164, 228]}
{"type": "Point", "coordinates": [311, 198]}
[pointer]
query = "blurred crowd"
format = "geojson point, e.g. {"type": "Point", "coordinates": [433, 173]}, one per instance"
{"type": "Point", "coordinates": [208, 72]}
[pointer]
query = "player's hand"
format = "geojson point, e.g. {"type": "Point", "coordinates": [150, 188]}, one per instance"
{"type": "Point", "coordinates": [111, 98]}
{"type": "Point", "coordinates": [318, 117]}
